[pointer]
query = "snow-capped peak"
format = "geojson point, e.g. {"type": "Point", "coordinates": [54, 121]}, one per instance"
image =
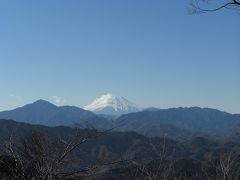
{"type": "Point", "coordinates": [112, 105]}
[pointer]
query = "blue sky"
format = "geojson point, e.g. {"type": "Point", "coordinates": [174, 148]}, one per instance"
{"type": "Point", "coordinates": [151, 52]}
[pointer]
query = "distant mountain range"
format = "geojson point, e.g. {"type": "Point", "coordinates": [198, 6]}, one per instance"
{"type": "Point", "coordinates": [177, 123]}
{"type": "Point", "coordinates": [44, 113]}
{"type": "Point", "coordinates": [111, 105]}
{"type": "Point", "coordinates": [180, 122]}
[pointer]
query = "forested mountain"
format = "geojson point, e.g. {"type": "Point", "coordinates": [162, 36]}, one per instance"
{"type": "Point", "coordinates": [116, 155]}
{"type": "Point", "coordinates": [176, 123]}
{"type": "Point", "coordinates": [44, 113]}
{"type": "Point", "coordinates": [181, 122]}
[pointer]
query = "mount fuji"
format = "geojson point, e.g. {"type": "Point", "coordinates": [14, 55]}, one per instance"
{"type": "Point", "coordinates": [111, 105]}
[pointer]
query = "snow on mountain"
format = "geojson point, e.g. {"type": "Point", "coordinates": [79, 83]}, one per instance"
{"type": "Point", "coordinates": [109, 104]}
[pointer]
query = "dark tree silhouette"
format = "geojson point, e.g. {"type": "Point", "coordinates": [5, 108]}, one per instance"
{"type": "Point", "coordinates": [202, 6]}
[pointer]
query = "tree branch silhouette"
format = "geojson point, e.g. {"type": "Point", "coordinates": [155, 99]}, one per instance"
{"type": "Point", "coordinates": [197, 6]}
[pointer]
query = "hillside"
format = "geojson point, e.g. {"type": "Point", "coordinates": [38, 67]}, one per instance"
{"type": "Point", "coordinates": [152, 153]}
{"type": "Point", "coordinates": [44, 113]}
{"type": "Point", "coordinates": [181, 123]}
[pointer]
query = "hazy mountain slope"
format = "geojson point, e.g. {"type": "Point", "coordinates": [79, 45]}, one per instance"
{"type": "Point", "coordinates": [115, 146]}
{"type": "Point", "coordinates": [112, 105]}
{"type": "Point", "coordinates": [177, 122]}
{"type": "Point", "coordinates": [108, 147]}
{"type": "Point", "coordinates": [45, 113]}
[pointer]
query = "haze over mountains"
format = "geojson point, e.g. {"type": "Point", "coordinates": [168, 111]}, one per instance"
{"type": "Point", "coordinates": [177, 123]}
{"type": "Point", "coordinates": [181, 122]}
{"type": "Point", "coordinates": [45, 113]}
{"type": "Point", "coordinates": [188, 137]}
{"type": "Point", "coordinates": [191, 156]}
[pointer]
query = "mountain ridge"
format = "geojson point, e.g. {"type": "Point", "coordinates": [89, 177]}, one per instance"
{"type": "Point", "coordinates": [45, 113]}
{"type": "Point", "coordinates": [183, 122]}
{"type": "Point", "coordinates": [177, 123]}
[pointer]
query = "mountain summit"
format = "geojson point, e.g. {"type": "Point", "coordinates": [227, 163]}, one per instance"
{"type": "Point", "coordinates": [45, 113]}
{"type": "Point", "coordinates": [109, 104]}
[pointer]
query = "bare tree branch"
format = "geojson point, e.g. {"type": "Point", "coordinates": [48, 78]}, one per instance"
{"type": "Point", "coordinates": [197, 6]}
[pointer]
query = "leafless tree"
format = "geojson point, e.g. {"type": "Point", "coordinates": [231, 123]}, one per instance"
{"type": "Point", "coordinates": [202, 6]}
{"type": "Point", "coordinates": [228, 166]}
{"type": "Point", "coordinates": [158, 168]}
{"type": "Point", "coordinates": [33, 158]}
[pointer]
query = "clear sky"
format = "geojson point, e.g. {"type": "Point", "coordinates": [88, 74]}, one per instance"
{"type": "Point", "coordinates": [150, 51]}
